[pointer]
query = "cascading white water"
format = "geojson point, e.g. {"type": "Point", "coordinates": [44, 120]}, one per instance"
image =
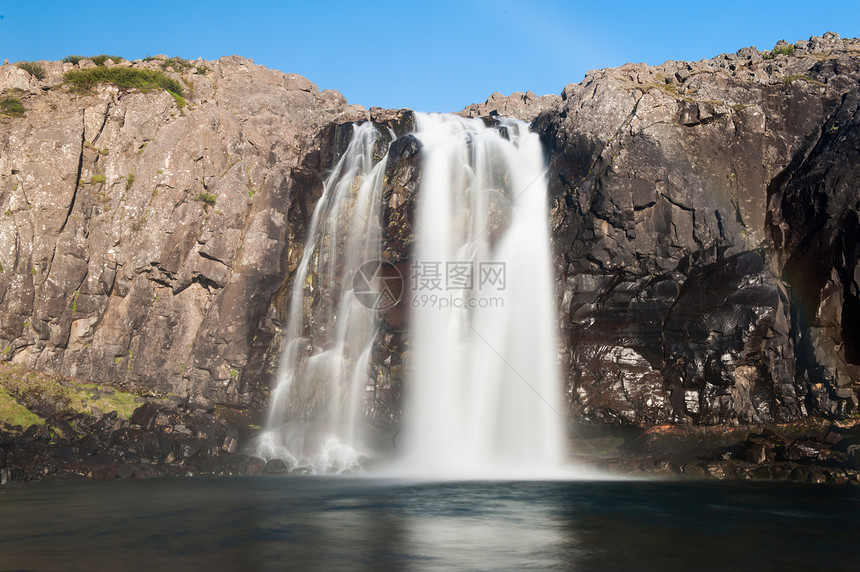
{"type": "Point", "coordinates": [482, 396]}
{"type": "Point", "coordinates": [314, 409]}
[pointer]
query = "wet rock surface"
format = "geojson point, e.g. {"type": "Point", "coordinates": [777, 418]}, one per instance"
{"type": "Point", "coordinates": [163, 438]}
{"type": "Point", "coordinates": [808, 452]}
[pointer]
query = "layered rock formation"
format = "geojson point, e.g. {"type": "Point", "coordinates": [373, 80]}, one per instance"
{"type": "Point", "coordinates": [704, 223]}
{"type": "Point", "coordinates": [705, 233]}
{"type": "Point", "coordinates": [142, 241]}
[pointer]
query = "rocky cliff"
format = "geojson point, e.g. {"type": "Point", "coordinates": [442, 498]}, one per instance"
{"type": "Point", "coordinates": [143, 236]}
{"type": "Point", "coordinates": [704, 223]}
{"type": "Point", "coordinates": [705, 232]}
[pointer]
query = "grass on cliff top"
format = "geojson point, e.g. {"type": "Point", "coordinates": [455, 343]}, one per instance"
{"type": "Point", "coordinates": [33, 69]}
{"type": "Point", "coordinates": [23, 393]}
{"type": "Point", "coordinates": [126, 78]}
{"type": "Point", "coordinates": [779, 50]}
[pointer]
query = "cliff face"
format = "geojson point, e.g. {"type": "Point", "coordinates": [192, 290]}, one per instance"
{"type": "Point", "coordinates": [705, 231]}
{"type": "Point", "coordinates": [704, 220]}
{"type": "Point", "coordinates": [141, 241]}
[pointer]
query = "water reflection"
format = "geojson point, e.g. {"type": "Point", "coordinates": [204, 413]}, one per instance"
{"type": "Point", "coordinates": [320, 523]}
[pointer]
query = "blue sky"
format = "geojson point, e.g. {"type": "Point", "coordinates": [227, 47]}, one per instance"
{"type": "Point", "coordinates": [430, 56]}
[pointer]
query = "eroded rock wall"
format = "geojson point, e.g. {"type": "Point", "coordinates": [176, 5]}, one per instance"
{"type": "Point", "coordinates": [141, 241]}
{"type": "Point", "coordinates": [669, 184]}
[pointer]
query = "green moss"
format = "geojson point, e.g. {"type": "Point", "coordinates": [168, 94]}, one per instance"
{"type": "Point", "coordinates": [98, 179]}
{"type": "Point", "coordinates": [13, 413]}
{"type": "Point", "coordinates": [66, 395]}
{"type": "Point", "coordinates": [125, 78]}
{"type": "Point", "coordinates": [8, 212]}
{"type": "Point", "coordinates": [11, 106]}
{"type": "Point", "coordinates": [129, 181]}
{"type": "Point", "coordinates": [180, 101]}
{"type": "Point", "coordinates": [33, 69]}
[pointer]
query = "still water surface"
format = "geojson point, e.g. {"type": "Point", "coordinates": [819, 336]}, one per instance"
{"type": "Point", "coordinates": [330, 523]}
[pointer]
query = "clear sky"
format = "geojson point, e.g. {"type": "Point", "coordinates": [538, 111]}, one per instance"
{"type": "Point", "coordinates": [430, 56]}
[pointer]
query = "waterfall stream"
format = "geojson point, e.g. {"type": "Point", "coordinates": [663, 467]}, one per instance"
{"type": "Point", "coordinates": [482, 396]}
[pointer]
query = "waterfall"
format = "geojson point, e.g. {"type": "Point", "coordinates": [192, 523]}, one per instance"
{"type": "Point", "coordinates": [314, 409]}
{"type": "Point", "coordinates": [482, 396]}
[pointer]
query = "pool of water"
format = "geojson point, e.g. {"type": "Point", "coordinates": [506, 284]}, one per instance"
{"type": "Point", "coordinates": [338, 523]}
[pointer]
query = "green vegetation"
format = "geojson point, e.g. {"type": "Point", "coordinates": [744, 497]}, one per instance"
{"type": "Point", "coordinates": [207, 199]}
{"type": "Point", "coordinates": [13, 413]}
{"type": "Point", "coordinates": [202, 70]}
{"type": "Point", "coordinates": [129, 181]}
{"type": "Point", "coordinates": [98, 179]}
{"type": "Point", "coordinates": [125, 78]}
{"type": "Point", "coordinates": [785, 50]}
{"type": "Point", "coordinates": [806, 78]}
{"type": "Point", "coordinates": [33, 69]}
{"type": "Point", "coordinates": [178, 64]}
{"type": "Point", "coordinates": [180, 101]}
{"type": "Point", "coordinates": [21, 391]}
{"type": "Point", "coordinates": [100, 59]}
{"type": "Point", "coordinates": [11, 106]}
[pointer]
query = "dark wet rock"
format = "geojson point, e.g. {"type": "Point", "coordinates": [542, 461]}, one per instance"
{"type": "Point", "coordinates": [800, 450]}
{"type": "Point", "coordinates": [277, 467]}
{"type": "Point", "coordinates": [136, 441]}
{"type": "Point", "coordinates": [694, 471]}
{"type": "Point", "coordinates": [145, 415]}
{"type": "Point", "coordinates": [300, 471]}
{"type": "Point", "coordinates": [854, 456]}
{"type": "Point", "coordinates": [255, 466]}
{"type": "Point", "coordinates": [100, 467]}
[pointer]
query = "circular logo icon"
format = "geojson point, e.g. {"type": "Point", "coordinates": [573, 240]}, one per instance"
{"type": "Point", "coordinates": [377, 285]}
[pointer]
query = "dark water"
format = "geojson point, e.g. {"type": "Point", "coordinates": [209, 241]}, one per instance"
{"type": "Point", "coordinates": [321, 523]}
